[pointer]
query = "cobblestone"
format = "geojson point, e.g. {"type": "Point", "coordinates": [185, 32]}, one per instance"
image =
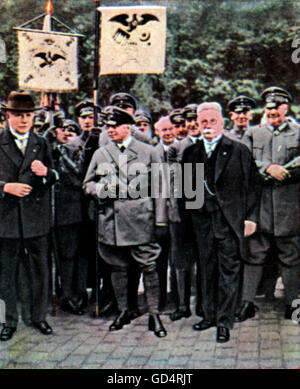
{"type": "Point", "coordinates": [264, 342]}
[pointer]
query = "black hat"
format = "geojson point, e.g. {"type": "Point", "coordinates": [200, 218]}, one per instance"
{"type": "Point", "coordinates": [177, 116]}
{"type": "Point", "coordinates": [241, 104]}
{"type": "Point", "coordinates": [275, 96]}
{"type": "Point", "coordinates": [115, 116]}
{"type": "Point", "coordinates": [123, 100]}
{"type": "Point", "coordinates": [20, 102]}
{"type": "Point", "coordinates": [71, 126]}
{"type": "Point", "coordinates": [190, 111]}
{"type": "Point", "coordinates": [142, 116]}
{"type": "Point", "coordinates": [85, 108]}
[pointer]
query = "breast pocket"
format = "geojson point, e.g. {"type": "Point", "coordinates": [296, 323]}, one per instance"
{"type": "Point", "coordinates": [293, 151]}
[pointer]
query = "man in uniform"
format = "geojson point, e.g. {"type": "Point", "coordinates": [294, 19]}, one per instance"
{"type": "Point", "coordinates": [240, 113]}
{"type": "Point", "coordinates": [274, 144]}
{"type": "Point", "coordinates": [88, 143]}
{"type": "Point", "coordinates": [67, 213]}
{"type": "Point", "coordinates": [26, 175]}
{"type": "Point", "coordinates": [182, 253]}
{"type": "Point", "coordinates": [177, 118]}
{"type": "Point", "coordinates": [228, 214]}
{"type": "Point", "coordinates": [143, 122]}
{"type": "Point", "coordinates": [126, 221]}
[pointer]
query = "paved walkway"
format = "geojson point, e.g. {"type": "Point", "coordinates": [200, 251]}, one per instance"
{"type": "Point", "coordinates": [266, 341]}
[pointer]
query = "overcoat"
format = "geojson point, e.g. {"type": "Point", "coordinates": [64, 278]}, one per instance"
{"type": "Point", "coordinates": [28, 216]}
{"type": "Point", "coordinates": [126, 221]}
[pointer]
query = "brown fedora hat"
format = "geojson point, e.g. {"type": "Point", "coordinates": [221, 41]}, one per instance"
{"type": "Point", "coordinates": [19, 102]}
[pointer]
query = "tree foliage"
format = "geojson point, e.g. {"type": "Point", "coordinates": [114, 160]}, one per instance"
{"type": "Point", "coordinates": [215, 50]}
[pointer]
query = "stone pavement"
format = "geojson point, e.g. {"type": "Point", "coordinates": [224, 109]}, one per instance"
{"type": "Point", "coordinates": [266, 341]}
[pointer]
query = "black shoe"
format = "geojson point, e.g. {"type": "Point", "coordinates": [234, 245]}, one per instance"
{"type": "Point", "coordinates": [108, 308]}
{"type": "Point", "coordinates": [120, 321]}
{"type": "Point", "coordinates": [223, 334]}
{"type": "Point", "coordinates": [7, 333]}
{"type": "Point", "coordinates": [247, 312]}
{"type": "Point", "coordinates": [83, 301]}
{"type": "Point", "coordinates": [179, 314]}
{"type": "Point", "coordinates": [135, 313]}
{"type": "Point", "coordinates": [44, 327]}
{"type": "Point", "coordinates": [203, 325]}
{"type": "Point", "coordinates": [156, 326]}
{"type": "Point", "coordinates": [68, 305]}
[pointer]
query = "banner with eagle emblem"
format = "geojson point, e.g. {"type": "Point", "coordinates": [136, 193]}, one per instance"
{"type": "Point", "coordinates": [47, 61]}
{"type": "Point", "coordinates": [133, 39]}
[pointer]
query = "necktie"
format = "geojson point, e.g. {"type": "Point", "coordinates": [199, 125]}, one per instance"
{"type": "Point", "coordinates": [122, 148]}
{"type": "Point", "coordinates": [22, 145]}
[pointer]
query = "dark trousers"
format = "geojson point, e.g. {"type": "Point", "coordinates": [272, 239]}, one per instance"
{"type": "Point", "coordinates": [220, 266]}
{"type": "Point", "coordinates": [33, 283]}
{"type": "Point", "coordinates": [70, 266]}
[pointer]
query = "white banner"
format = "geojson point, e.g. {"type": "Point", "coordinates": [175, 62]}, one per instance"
{"type": "Point", "coordinates": [47, 61]}
{"type": "Point", "coordinates": [133, 39]}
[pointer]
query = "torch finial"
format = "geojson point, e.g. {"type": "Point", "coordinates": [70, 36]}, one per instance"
{"type": "Point", "coordinates": [49, 8]}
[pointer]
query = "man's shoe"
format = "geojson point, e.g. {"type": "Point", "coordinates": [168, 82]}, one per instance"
{"type": "Point", "coordinates": [156, 326]}
{"type": "Point", "coordinates": [179, 314]}
{"type": "Point", "coordinates": [7, 333]}
{"type": "Point", "coordinates": [223, 334]}
{"type": "Point", "coordinates": [44, 327]}
{"type": "Point", "coordinates": [69, 306]}
{"type": "Point", "coordinates": [247, 312]}
{"type": "Point", "coordinates": [120, 321]}
{"type": "Point", "coordinates": [203, 325]}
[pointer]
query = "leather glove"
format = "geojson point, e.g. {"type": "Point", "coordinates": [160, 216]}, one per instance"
{"type": "Point", "coordinates": [161, 233]}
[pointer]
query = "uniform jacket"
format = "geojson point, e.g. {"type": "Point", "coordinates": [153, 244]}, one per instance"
{"type": "Point", "coordinates": [128, 221]}
{"type": "Point", "coordinates": [28, 216]}
{"type": "Point", "coordinates": [68, 190]}
{"type": "Point", "coordinates": [279, 206]}
{"type": "Point", "coordinates": [237, 182]}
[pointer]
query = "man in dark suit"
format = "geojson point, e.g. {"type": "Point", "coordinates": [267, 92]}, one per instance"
{"type": "Point", "coordinates": [26, 175]}
{"type": "Point", "coordinates": [229, 213]}
{"type": "Point", "coordinates": [128, 215]}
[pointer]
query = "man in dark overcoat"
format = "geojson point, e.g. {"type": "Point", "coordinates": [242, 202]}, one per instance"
{"type": "Point", "coordinates": [26, 175]}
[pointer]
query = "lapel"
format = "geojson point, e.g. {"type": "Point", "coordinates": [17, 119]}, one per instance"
{"type": "Point", "coordinates": [122, 159]}
{"type": "Point", "coordinates": [223, 156]}
{"type": "Point", "coordinates": [8, 145]}
{"type": "Point", "coordinates": [32, 149]}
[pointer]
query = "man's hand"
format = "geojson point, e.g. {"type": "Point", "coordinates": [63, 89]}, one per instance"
{"type": "Point", "coordinates": [278, 172]}
{"type": "Point", "coordinates": [249, 228]}
{"type": "Point", "coordinates": [17, 189]}
{"type": "Point", "coordinates": [39, 169]}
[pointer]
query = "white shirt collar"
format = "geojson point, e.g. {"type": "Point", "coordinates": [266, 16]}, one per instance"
{"type": "Point", "coordinates": [126, 142]}
{"type": "Point", "coordinates": [19, 136]}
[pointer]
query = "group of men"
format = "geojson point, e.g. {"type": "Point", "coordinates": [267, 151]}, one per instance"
{"type": "Point", "coordinates": [93, 186]}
